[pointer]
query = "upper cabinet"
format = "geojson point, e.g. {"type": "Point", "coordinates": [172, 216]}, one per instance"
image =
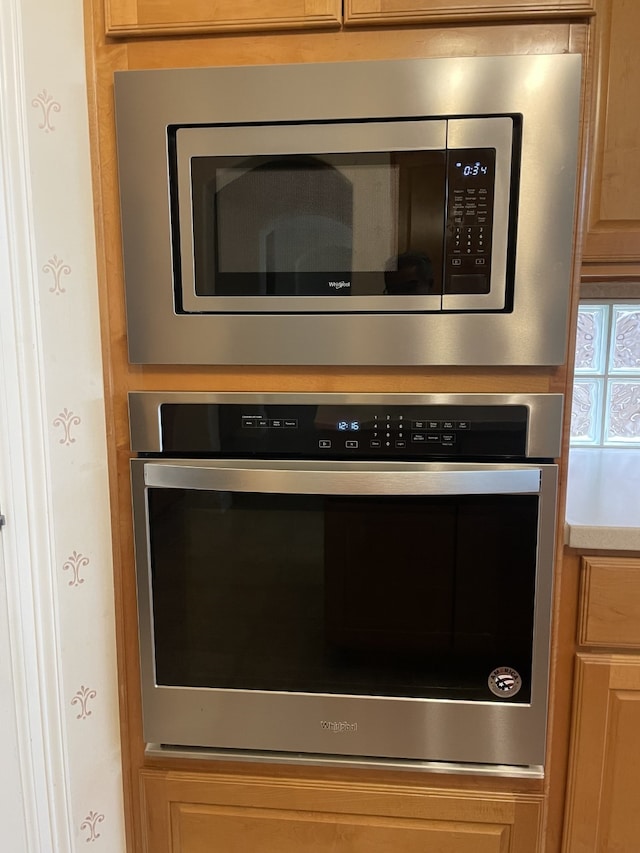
{"type": "Point", "coordinates": [176, 17]}
{"type": "Point", "coordinates": [613, 212]}
{"type": "Point", "coordinates": [458, 11]}
{"type": "Point", "coordinates": [168, 17]}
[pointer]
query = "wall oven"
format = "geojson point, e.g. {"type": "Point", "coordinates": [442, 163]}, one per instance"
{"type": "Point", "coordinates": [396, 212]}
{"type": "Point", "coordinates": [357, 578]}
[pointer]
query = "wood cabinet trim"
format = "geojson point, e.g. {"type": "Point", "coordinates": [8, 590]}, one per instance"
{"type": "Point", "coordinates": [597, 272]}
{"type": "Point", "coordinates": [379, 12]}
{"type": "Point", "coordinates": [279, 789]}
{"type": "Point", "coordinates": [122, 20]}
{"type": "Point", "coordinates": [610, 602]}
{"type": "Point", "coordinates": [613, 241]}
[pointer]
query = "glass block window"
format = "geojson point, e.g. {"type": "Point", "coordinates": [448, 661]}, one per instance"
{"type": "Point", "coordinates": [606, 390]}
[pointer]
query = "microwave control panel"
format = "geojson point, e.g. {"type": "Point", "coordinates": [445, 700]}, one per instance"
{"type": "Point", "coordinates": [343, 432]}
{"type": "Point", "coordinates": [471, 177]}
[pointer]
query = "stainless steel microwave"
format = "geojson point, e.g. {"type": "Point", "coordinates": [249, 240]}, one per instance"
{"type": "Point", "coordinates": [406, 212]}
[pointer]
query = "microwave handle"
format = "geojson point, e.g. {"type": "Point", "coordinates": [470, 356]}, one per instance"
{"type": "Point", "coordinates": [471, 480]}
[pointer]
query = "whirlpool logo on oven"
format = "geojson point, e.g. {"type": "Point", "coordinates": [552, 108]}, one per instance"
{"type": "Point", "coordinates": [338, 726]}
{"type": "Point", "coordinates": [339, 285]}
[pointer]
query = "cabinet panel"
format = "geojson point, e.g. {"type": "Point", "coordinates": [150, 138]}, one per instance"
{"type": "Point", "coordinates": [602, 801]}
{"type": "Point", "coordinates": [610, 602]}
{"type": "Point", "coordinates": [415, 11]}
{"type": "Point", "coordinates": [185, 811]}
{"type": "Point", "coordinates": [613, 226]}
{"type": "Point", "coordinates": [167, 17]}
{"type": "Point", "coordinates": [240, 830]}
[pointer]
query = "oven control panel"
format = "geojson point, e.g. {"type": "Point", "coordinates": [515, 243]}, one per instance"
{"type": "Point", "coordinates": [344, 431]}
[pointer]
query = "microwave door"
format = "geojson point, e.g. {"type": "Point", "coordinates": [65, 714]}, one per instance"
{"type": "Point", "coordinates": [332, 217]}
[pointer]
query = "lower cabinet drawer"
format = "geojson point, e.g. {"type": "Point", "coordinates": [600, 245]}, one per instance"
{"type": "Point", "coordinates": [199, 813]}
{"type": "Point", "coordinates": [610, 607]}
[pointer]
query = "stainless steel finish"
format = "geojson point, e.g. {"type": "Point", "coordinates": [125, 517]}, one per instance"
{"type": "Point", "coordinates": [336, 138]}
{"type": "Point", "coordinates": [543, 428]}
{"type": "Point", "coordinates": [343, 478]}
{"type": "Point", "coordinates": [422, 734]}
{"type": "Point", "coordinates": [535, 771]}
{"type": "Point", "coordinates": [544, 89]}
{"type": "Point", "coordinates": [396, 728]}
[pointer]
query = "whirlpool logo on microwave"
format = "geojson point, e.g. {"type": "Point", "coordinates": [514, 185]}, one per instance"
{"type": "Point", "coordinates": [339, 285]}
{"type": "Point", "coordinates": [338, 726]}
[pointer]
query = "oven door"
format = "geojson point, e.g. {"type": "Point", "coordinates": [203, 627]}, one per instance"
{"type": "Point", "coordinates": [390, 610]}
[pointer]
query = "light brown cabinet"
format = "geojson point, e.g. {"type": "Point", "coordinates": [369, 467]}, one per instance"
{"type": "Point", "coordinates": [613, 211]}
{"type": "Point", "coordinates": [191, 813]}
{"type": "Point", "coordinates": [459, 11]}
{"type": "Point", "coordinates": [169, 17]}
{"type": "Point", "coordinates": [125, 18]}
{"type": "Point", "coordinates": [602, 811]}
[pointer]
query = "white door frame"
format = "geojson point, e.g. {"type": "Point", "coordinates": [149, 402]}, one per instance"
{"type": "Point", "coordinates": [29, 605]}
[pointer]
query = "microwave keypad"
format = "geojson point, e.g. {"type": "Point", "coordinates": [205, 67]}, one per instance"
{"type": "Point", "coordinates": [471, 176]}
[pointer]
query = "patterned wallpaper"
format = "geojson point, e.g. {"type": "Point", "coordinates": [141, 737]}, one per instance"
{"type": "Point", "coordinates": [61, 203]}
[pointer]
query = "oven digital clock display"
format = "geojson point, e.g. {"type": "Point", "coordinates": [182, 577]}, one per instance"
{"type": "Point", "coordinates": [348, 426]}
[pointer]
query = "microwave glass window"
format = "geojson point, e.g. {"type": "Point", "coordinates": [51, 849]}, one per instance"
{"type": "Point", "coordinates": [311, 225]}
{"type": "Point", "coordinates": [390, 596]}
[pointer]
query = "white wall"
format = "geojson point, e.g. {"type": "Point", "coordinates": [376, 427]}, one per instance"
{"type": "Point", "coordinates": [60, 777]}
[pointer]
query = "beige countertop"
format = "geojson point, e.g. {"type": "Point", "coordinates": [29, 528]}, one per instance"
{"type": "Point", "coordinates": [603, 499]}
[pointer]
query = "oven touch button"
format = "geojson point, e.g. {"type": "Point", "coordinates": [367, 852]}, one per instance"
{"type": "Point", "coordinates": [504, 682]}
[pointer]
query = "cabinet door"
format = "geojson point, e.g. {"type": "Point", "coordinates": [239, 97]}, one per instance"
{"type": "Point", "coordinates": [197, 813]}
{"type": "Point", "coordinates": [613, 225]}
{"type": "Point", "coordinates": [610, 602]}
{"type": "Point", "coordinates": [602, 813]}
{"type": "Point", "coordinates": [415, 11]}
{"type": "Point", "coordinates": [167, 17]}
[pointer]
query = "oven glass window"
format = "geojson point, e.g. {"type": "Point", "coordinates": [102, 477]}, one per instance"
{"type": "Point", "coordinates": [319, 225]}
{"type": "Point", "coordinates": [389, 596]}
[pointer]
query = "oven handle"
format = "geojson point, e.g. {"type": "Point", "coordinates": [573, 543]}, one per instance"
{"type": "Point", "coordinates": [463, 480]}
